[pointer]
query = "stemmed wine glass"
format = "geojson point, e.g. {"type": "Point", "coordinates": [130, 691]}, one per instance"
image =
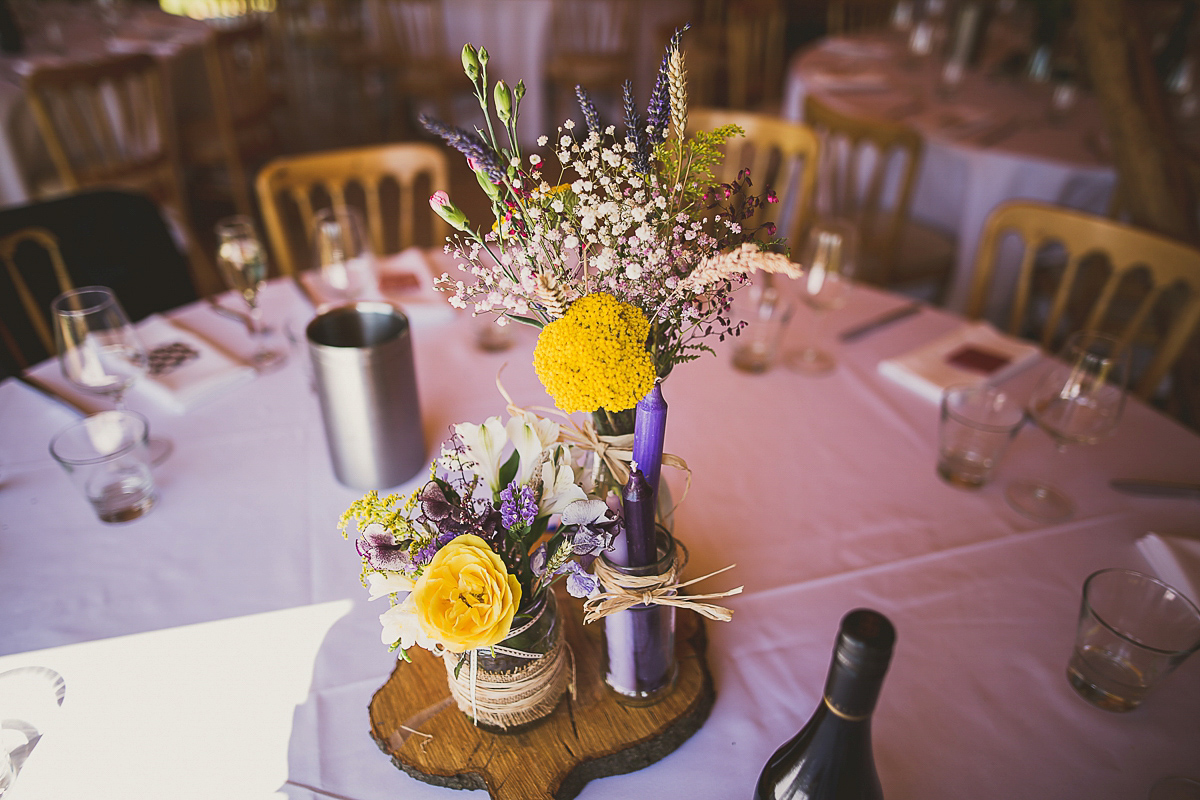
{"type": "Point", "coordinates": [1078, 401]}
{"type": "Point", "coordinates": [243, 262]}
{"type": "Point", "coordinates": [829, 257]}
{"type": "Point", "coordinates": [345, 265]}
{"type": "Point", "coordinates": [99, 350]}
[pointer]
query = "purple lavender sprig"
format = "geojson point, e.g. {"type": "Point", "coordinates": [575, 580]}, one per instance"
{"type": "Point", "coordinates": [469, 144]}
{"type": "Point", "coordinates": [590, 115]}
{"type": "Point", "coordinates": [658, 113]}
{"type": "Point", "coordinates": [517, 508]}
{"type": "Point", "coordinates": [633, 127]}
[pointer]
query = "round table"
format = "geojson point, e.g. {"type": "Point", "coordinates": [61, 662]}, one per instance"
{"type": "Point", "coordinates": [987, 141]}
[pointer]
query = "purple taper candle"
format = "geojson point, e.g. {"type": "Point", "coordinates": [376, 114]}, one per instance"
{"type": "Point", "coordinates": [638, 503]}
{"type": "Point", "coordinates": [649, 432]}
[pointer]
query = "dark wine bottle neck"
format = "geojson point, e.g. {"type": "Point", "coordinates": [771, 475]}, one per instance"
{"type": "Point", "coordinates": [850, 695]}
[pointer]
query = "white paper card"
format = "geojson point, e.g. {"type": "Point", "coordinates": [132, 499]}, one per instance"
{"type": "Point", "coordinates": [927, 370]}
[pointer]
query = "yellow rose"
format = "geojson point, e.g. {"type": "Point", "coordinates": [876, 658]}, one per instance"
{"type": "Point", "coordinates": [465, 598]}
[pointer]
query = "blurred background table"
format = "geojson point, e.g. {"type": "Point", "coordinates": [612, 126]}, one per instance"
{"type": "Point", "coordinates": [822, 491]}
{"type": "Point", "coordinates": [987, 140]}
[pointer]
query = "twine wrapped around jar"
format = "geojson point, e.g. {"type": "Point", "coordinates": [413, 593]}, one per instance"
{"type": "Point", "coordinates": [524, 692]}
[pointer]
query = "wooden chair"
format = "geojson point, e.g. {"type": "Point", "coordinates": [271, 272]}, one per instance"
{"type": "Point", "coordinates": [22, 349]}
{"type": "Point", "coordinates": [781, 155]}
{"type": "Point", "coordinates": [105, 125]}
{"type": "Point", "coordinates": [407, 41]}
{"type": "Point", "coordinates": [593, 47]}
{"type": "Point", "coordinates": [1150, 294]}
{"type": "Point", "coordinates": [242, 129]}
{"type": "Point", "coordinates": [895, 250]}
{"type": "Point", "coordinates": [390, 183]}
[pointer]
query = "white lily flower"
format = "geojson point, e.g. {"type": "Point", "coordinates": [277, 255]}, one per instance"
{"type": "Point", "coordinates": [382, 584]}
{"type": "Point", "coordinates": [531, 435]}
{"type": "Point", "coordinates": [559, 489]}
{"type": "Point", "coordinates": [485, 444]}
{"type": "Point", "coordinates": [400, 624]}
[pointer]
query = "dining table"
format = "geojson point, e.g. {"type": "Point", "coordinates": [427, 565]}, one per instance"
{"type": "Point", "coordinates": [990, 136]}
{"type": "Point", "coordinates": [223, 645]}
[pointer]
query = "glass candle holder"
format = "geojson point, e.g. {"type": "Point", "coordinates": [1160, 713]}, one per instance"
{"type": "Point", "coordinates": [639, 643]}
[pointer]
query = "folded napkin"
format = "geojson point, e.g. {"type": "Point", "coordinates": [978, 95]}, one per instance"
{"type": "Point", "coordinates": [1175, 560]}
{"type": "Point", "coordinates": [30, 698]}
{"type": "Point", "coordinates": [185, 370]}
{"type": "Point", "coordinates": [844, 84]}
{"type": "Point", "coordinates": [972, 354]}
{"type": "Point", "coordinates": [406, 279]}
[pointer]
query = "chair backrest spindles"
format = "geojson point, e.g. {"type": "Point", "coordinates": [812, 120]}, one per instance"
{"type": "Point", "coordinates": [1167, 264]}
{"type": "Point", "coordinates": [333, 174]}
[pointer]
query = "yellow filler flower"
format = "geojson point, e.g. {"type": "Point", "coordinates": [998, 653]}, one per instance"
{"type": "Point", "coordinates": [595, 355]}
{"type": "Point", "coordinates": [466, 598]}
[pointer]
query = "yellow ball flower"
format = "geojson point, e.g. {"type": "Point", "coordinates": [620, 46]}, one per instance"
{"type": "Point", "coordinates": [465, 598]}
{"type": "Point", "coordinates": [595, 356]}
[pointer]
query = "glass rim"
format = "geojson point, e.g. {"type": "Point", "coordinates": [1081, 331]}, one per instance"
{"type": "Point", "coordinates": [109, 299]}
{"type": "Point", "coordinates": [121, 451]}
{"type": "Point", "coordinates": [1122, 635]}
{"type": "Point", "coordinates": [1073, 340]}
{"type": "Point", "coordinates": [982, 426]}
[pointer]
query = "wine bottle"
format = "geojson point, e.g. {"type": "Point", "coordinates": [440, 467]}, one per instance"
{"type": "Point", "coordinates": [830, 758]}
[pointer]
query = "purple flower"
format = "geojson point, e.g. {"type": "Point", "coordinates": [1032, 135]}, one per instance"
{"type": "Point", "coordinates": [517, 508]}
{"type": "Point", "coordinates": [633, 128]}
{"type": "Point", "coordinates": [537, 561]}
{"type": "Point", "coordinates": [590, 115]}
{"type": "Point", "coordinates": [469, 144]}
{"type": "Point", "coordinates": [381, 551]}
{"type": "Point", "coordinates": [426, 553]}
{"type": "Point", "coordinates": [590, 526]}
{"type": "Point", "coordinates": [579, 582]}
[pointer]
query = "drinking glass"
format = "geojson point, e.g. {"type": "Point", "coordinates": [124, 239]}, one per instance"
{"type": "Point", "coordinates": [976, 426]}
{"type": "Point", "coordinates": [99, 350]}
{"type": "Point", "coordinates": [1078, 401]}
{"type": "Point", "coordinates": [243, 262]}
{"type": "Point", "coordinates": [758, 341]}
{"type": "Point", "coordinates": [1134, 630]}
{"type": "Point", "coordinates": [344, 262]}
{"type": "Point", "coordinates": [106, 456]}
{"type": "Point", "coordinates": [828, 261]}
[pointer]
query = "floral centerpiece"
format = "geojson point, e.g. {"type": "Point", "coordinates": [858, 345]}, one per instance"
{"type": "Point", "coordinates": [467, 560]}
{"type": "Point", "coordinates": [625, 255]}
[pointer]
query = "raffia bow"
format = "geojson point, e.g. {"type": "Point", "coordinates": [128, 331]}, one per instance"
{"type": "Point", "coordinates": [622, 592]}
{"type": "Point", "coordinates": [615, 451]}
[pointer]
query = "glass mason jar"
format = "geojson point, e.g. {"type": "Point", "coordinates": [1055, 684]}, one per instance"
{"type": "Point", "coordinates": [639, 643]}
{"type": "Point", "coordinates": [518, 681]}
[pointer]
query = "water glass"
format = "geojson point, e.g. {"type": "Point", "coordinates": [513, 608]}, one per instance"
{"type": "Point", "coordinates": [106, 456]}
{"type": "Point", "coordinates": [976, 426]}
{"type": "Point", "coordinates": [759, 340]}
{"type": "Point", "coordinates": [1134, 630]}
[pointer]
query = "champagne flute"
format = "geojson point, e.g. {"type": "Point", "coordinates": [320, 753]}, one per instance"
{"type": "Point", "coordinates": [829, 259]}
{"type": "Point", "coordinates": [243, 262]}
{"type": "Point", "coordinates": [1078, 401]}
{"type": "Point", "coordinates": [99, 350]}
{"type": "Point", "coordinates": [345, 265]}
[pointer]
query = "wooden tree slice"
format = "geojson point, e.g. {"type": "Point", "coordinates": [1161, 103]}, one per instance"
{"type": "Point", "coordinates": [591, 736]}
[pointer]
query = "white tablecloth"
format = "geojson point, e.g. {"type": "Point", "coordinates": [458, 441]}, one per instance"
{"type": "Point", "coordinates": [970, 167]}
{"type": "Point", "coordinates": [822, 491]}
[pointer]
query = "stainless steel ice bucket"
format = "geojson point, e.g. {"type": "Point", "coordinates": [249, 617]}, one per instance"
{"type": "Point", "coordinates": [363, 367]}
